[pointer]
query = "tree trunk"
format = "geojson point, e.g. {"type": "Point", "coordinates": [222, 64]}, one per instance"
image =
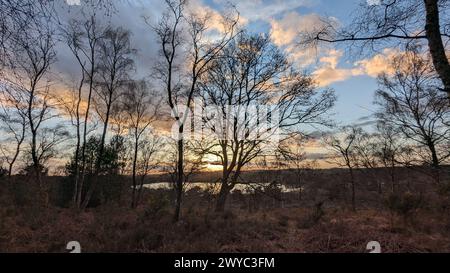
{"type": "Point", "coordinates": [392, 180]}
{"type": "Point", "coordinates": [435, 43]}
{"type": "Point", "coordinates": [77, 149]}
{"type": "Point", "coordinates": [99, 159]}
{"type": "Point", "coordinates": [380, 189]}
{"type": "Point", "coordinates": [77, 168]}
{"type": "Point", "coordinates": [352, 180]}
{"type": "Point", "coordinates": [16, 154]}
{"type": "Point", "coordinates": [134, 196]}
{"type": "Point", "coordinates": [222, 198]}
{"type": "Point", "coordinates": [141, 186]}
{"type": "Point", "coordinates": [35, 159]}
{"type": "Point", "coordinates": [392, 172]}
{"type": "Point", "coordinates": [434, 157]}
{"type": "Point", "coordinates": [180, 177]}
{"type": "Point", "coordinates": [435, 164]}
{"type": "Point", "coordinates": [86, 118]}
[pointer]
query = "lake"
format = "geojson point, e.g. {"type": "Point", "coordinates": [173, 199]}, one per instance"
{"type": "Point", "coordinates": [247, 188]}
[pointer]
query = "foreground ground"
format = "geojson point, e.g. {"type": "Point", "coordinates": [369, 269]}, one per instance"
{"type": "Point", "coordinates": [119, 229]}
{"type": "Point", "coordinates": [317, 220]}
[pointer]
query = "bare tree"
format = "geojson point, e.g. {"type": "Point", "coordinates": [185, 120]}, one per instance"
{"type": "Point", "coordinates": [193, 162]}
{"type": "Point", "coordinates": [366, 158]}
{"type": "Point", "coordinates": [411, 102]}
{"type": "Point", "coordinates": [49, 140]}
{"type": "Point", "coordinates": [394, 22]}
{"type": "Point", "coordinates": [343, 146]}
{"type": "Point", "coordinates": [148, 159]}
{"type": "Point", "coordinates": [140, 106]}
{"type": "Point", "coordinates": [17, 15]}
{"type": "Point", "coordinates": [196, 52]}
{"type": "Point", "coordinates": [250, 74]}
{"type": "Point", "coordinates": [388, 149]}
{"type": "Point", "coordinates": [14, 124]}
{"type": "Point", "coordinates": [297, 163]}
{"type": "Point", "coordinates": [30, 56]}
{"type": "Point", "coordinates": [114, 65]}
{"type": "Point", "coordinates": [291, 156]}
{"type": "Point", "coordinates": [84, 44]}
{"type": "Point", "coordinates": [20, 16]}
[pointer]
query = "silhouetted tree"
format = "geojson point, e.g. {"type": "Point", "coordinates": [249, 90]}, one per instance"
{"type": "Point", "coordinates": [252, 72]}
{"type": "Point", "coordinates": [343, 146]}
{"type": "Point", "coordinates": [393, 22]}
{"type": "Point", "coordinates": [109, 162]}
{"type": "Point", "coordinates": [148, 159]}
{"type": "Point", "coordinates": [411, 102]}
{"type": "Point", "coordinates": [115, 64]}
{"type": "Point", "coordinates": [196, 52]}
{"type": "Point", "coordinates": [84, 44]}
{"type": "Point", "coordinates": [29, 54]}
{"type": "Point", "coordinates": [388, 150]}
{"type": "Point", "coordinates": [14, 125]}
{"type": "Point", "coordinates": [140, 109]}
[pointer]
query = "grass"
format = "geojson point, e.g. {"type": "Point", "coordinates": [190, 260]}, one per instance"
{"type": "Point", "coordinates": [252, 223]}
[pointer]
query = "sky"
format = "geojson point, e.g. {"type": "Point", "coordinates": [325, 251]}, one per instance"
{"type": "Point", "coordinates": [354, 84]}
{"type": "Point", "coordinates": [352, 77]}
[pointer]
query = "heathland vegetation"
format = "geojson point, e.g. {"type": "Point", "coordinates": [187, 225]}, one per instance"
{"type": "Point", "coordinates": [209, 152]}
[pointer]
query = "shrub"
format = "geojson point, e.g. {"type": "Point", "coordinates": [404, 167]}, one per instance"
{"type": "Point", "coordinates": [157, 203]}
{"type": "Point", "coordinates": [3, 172]}
{"type": "Point", "coordinates": [112, 189]}
{"type": "Point", "coordinates": [404, 205]}
{"type": "Point", "coordinates": [110, 162]}
{"type": "Point", "coordinates": [318, 212]}
{"type": "Point", "coordinates": [29, 170]}
{"type": "Point", "coordinates": [444, 189]}
{"type": "Point", "coordinates": [313, 217]}
{"type": "Point", "coordinates": [62, 192]}
{"type": "Point", "coordinates": [283, 220]}
{"type": "Point", "coordinates": [23, 192]}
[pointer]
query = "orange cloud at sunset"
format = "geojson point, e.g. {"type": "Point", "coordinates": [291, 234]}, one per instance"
{"type": "Point", "coordinates": [329, 72]}
{"type": "Point", "coordinates": [285, 33]}
{"type": "Point", "coordinates": [286, 30]}
{"type": "Point", "coordinates": [380, 63]}
{"type": "Point", "coordinates": [215, 20]}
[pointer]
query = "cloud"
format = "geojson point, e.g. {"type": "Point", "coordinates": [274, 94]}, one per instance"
{"type": "Point", "coordinates": [286, 30]}
{"type": "Point", "coordinates": [253, 10]}
{"type": "Point", "coordinates": [215, 19]}
{"type": "Point", "coordinates": [380, 63]}
{"type": "Point", "coordinates": [285, 33]}
{"type": "Point", "coordinates": [128, 15]}
{"type": "Point", "coordinates": [329, 72]}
